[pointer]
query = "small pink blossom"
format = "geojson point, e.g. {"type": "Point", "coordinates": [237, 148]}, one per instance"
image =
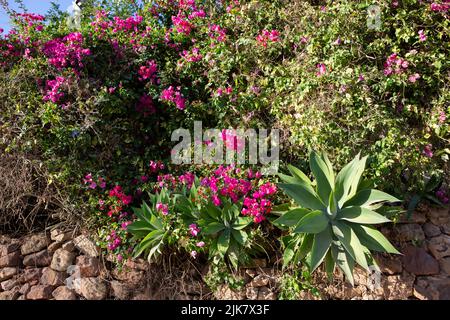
{"type": "Point", "coordinates": [413, 78]}
{"type": "Point", "coordinates": [322, 69]}
{"type": "Point", "coordinates": [422, 36]}
{"type": "Point", "coordinates": [200, 244]}
{"type": "Point", "coordinates": [427, 151]}
{"type": "Point", "coordinates": [162, 208]}
{"type": "Point", "coordinates": [442, 117]}
{"type": "Point", "coordinates": [194, 230]}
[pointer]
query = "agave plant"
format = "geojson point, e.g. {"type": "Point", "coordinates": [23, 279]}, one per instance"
{"type": "Point", "coordinates": [150, 228]}
{"type": "Point", "coordinates": [335, 217]}
{"type": "Point", "coordinates": [225, 226]}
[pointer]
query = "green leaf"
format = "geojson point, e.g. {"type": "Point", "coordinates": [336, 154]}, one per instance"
{"type": "Point", "coordinates": [292, 217]}
{"type": "Point", "coordinates": [313, 222]}
{"type": "Point", "coordinates": [139, 212]}
{"type": "Point", "coordinates": [356, 177]}
{"type": "Point", "coordinates": [324, 178]}
{"type": "Point", "coordinates": [212, 228]}
{"type": "Point", "coordinates": [289, 179]}
{"type": "Point", "coordinates": [213, 211]}
{"type": "Point", "coordinates": [223, 242]}
{"type": "Point", "coordinates": [329, 265]}
{"type": "Point", "coordinates": [299, 174]}
{"type": "Point", "coordinates": [344, 261]}
{"type": "Point", "coordinates": [305, 247]}
{"type": "Point", "coordinates": [241, 222]}
{"type": "Point", "coordinates": [304, 197]}
{"type": "Point", "coordinates": [281, 208]}
{"type": "Point", "coordinates": [365, 198]}
{"type": "Point", "coordinates": [361, 215]}
{"type": "Point", "coordinates": [321, 244]}
{"type": "Point", "coordinates": [351, 243]}
{"type": "Point", "coordinates": [288, 254]}
{"type": "Point", "coordinates": [344, 181]}
{"type": "Point", "coordinates": [139, 229]}
{"type": "Point", "coordinates": [332, 204]}
{"type": "Point", "coordinates": [240, 236]}
{"type": "Point", "coordinates": [374, 239]}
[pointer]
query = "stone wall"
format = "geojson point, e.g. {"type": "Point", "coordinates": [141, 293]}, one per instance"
{"type": "Point", "coordinates": [65, 266]}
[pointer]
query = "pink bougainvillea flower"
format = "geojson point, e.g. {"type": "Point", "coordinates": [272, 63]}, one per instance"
{"type": "Point", "coordinates": [268, 36]}
{"type": "Point", "coordinates": [422, 36]}
{"type": "Point", "coordinates": [441, 7]}
{"type": "Point", "coordinates": [175, 96]}
{"type": "Point", "coordinates": [148, 71]}
{"type": "Point", "coordinates": [194, 230]}
{"type": "Point", "coordinates": [162, 208]}
{"type": "Point", "coordinates": [413, 78]}
{"type": "Point", "coordinates": [232, 140]}
{"type": "Point", "coordinates": [442, 117]}
{"type": "Point", "coordinates": [200, 244]}
{"type": "Point", "coordinates": [321, 69]}
{"type": "Point", "coordinates": [194, 254]}
{"type": "Point", "coordinates": [427, 151]}
{"type": "Point", "coordinates": [54, 93]}
{"type": "Point", "coordinates": [215, 200]}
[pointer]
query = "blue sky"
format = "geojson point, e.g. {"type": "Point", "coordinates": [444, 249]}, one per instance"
{"type": "Point", "coordinates": [34, 6]}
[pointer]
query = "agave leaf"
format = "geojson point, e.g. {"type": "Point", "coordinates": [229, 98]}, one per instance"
{"type": "Point", "coordinates": [324, 179]}
{"type": "Point", "coordinates": [139, 229]}
{"type": "Point", "coordinates": [332, 204]}
{"type": "Point", "coordinates": [240, 236]}
{"type": "Point", "coordinates": [344, 180]}
{"type": "Point", "coordinates": [212, 228]}
{"type": "Point", "coordinates": [289, 253]}
{"type": "Point", "coordinates": [146, 211]}
{"type": "Point", "coordinates": [281, 208]}
{"type": "Point", "coordinates": [156, 222]}
{"type": "Point", "coordinates": [330, 167]}
{"type": "Point", "coordinates": [374, 239]}
{"type": "Point", "coordinates": [305, 247]}
{"type": "Point", "coordinates": [299, 174]}
{"type": "Point", "coordinates": [344, 261]}
{"type": "Point", "coordinates": [147, 242]}
{"type": "Point", "coordinates": [289, 179]}
{"type": "Point", "coordinates": [292, 217]}
{"type": "Point", "coordinates": [140, 214]}
{"type": "Point", "coordinates": [303, 196]}
{"type": "Point", "coordinates": [312, 222]}
{"type": "Point", "coordinates": [350, 242]}
{"type": "Point", "coordinates": [213, 211]}
{"type": "Point", "coordinates": [329, 265]}
{"type": "Point", "coordinates": [367, 197]}
{"type": "Point", "coordinates": [223, 242]}
{"type": "Point", "coordinates": [361, 215]}
{"type": "Point", "coordinates": [241, 222]}
{"type": "Point", "coordinates": [359, 169]}
{"type": "Point", "coordinates": [320, 247]}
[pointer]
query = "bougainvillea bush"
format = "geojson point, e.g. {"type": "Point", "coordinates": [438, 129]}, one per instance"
{"type": "Point", "coordinates": [97, 102]}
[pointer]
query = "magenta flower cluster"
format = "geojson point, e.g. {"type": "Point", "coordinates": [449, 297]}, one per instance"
{"type": "Point", "coordinates": [148, 71]}
{"type": "Point", "coordinates": [217, 33]}
{"type": "Point", "coordinates": [395, 65]}
{"type": "Point", "coordinates": [258, 205]}
{"type": "Point", "coordinates": [53, 90]}
{"type": "Point", "coordinates": [441, 7]}
{"type": "Point", "coordinates": [267, 36]}
{"type": "Point", "coordinates": [174, 95]}
{"type": "Point", "coordinates": [67, 51]}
